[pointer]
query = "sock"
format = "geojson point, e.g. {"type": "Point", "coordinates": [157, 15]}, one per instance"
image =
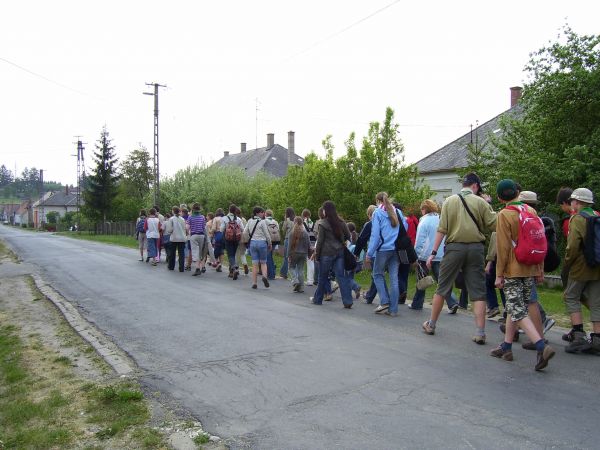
{"type": "Point", "coordinates": [578, 327]}
{"type": "Point", "coordinates": [539, 345]}
{"type": "Point", "coordinates": [432, 323]}
{"type": "Point", "coordinates": [506, 346]}
{"type": "Point", "coordinates": [480, 332]}
{"type": "Point", "coordinates": [597, 335]}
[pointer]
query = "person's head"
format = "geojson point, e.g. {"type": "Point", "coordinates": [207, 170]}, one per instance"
{"type": "Point", "coordinates": [142, 212]}
{"type": "Point", "coordinates": [382, 199]}
{"type": "Point", "coordinates": [306, 213]}
{"type": "Point", "coordinates": [268, 213]}
{"type": "Point", "coordinates": [529, 198]}
{"type": "Point", "coordinates": [219, 212]}
{"type": "Point", "coordinates": [563, 199]}
{"type": "Point", "coordinates": [175, 210]}
{"type": "Point", "coordinates": [473, 182]}
{"type": "Point", "coordinates": [167, 215]}
{"type": "Point", "coordinates": [298, 222]}
{"type": "Point", "coordinates": [233, 209]}
{"type": "Point", "coordinates": [196, 208]}
{"type": "Point", "coordinates": [428, 206]}
{"type": "Point", "coordinates": [257, 211]}
{"type": "Point", "coordinates": [182, 207]}
{"type": "Point", "coordinates": [351, 227]}
{"type": "Point", "coordinates": [321, 213]}
{"type": "Point", "coordinates": [184, 211]}
{"type": "Point", "coordinates": [370, 210]}
{"type": "Point", "coordinates": [152, 211]}
{"type": "Point", "coordinates": [581, 198]}
{"type": "Point", "coordinates": [238, 211]}
{"type": "Point", "coordinates": [507, 190]}
{"type": "Point", "coordinates": [210, 216]}
{"type": "Point", "coordinates": [289, 213]}
{"type": "Point", "coordinates": [156, 208]}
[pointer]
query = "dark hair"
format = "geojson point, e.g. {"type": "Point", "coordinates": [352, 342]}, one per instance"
{"type": "Point", "coordinates": [334, 220]}
{"type": "Point", "coordinates": [196, 207]}
{"type": "Point", "coordinates": [219, 212]}
{"type": "Point", "coordinates": [156, 208]}
{"type": "Point", "coordinates": [152, 211]}
{"type": "Point", "coordinates": [296, 232]}
{"type": "Point", "coordinates": [257, 210]}
{"type": "Point", "coordinates": [289, 213]}
{"type": "Point", "coordinates": [563, 196]}
{"type": "Point", "coordinates": [353, 233]}
{"type": "Point", "coordinates": [210, 216]}
{"type": "Point", "coordinates": [233, 209]}
{"type": "Point", "coordinates": [142, 212]}
{"type": "Point", "coordinates": [175, 210]}
{"type": "Point", "coordinates": [306, 213]}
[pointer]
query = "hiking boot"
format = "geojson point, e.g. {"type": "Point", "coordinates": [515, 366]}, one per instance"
{"type": "Point", "coordinates": [236, 273]}
{"type": "Point", "coordinates": [265, 282]}
{"type": "Point", "coordinates": [531, 345]}
{"type": "Point", "coordinates": [245, 269]}
{"type": "Point", "coordinates": [595, 345]}
{"type": "Point", "coordinates": [543, 357]}
{"type": "Point", "coordinates": [568, 337]}
{"type": "Point", "coordinates": [493, 313]}
{"type": "Point", "coordinates": [328, 297]}
{"type": "Point", "coordinates": [295, 287]}
{"type": "Point", "coordinates": [479, 340]}
{"type": "Point", "coordinates": [381, 309]}
{"type": "Point", "coordinates": [196, 272]}
{"type": "Point", "coordinates": [579, 344]}
{"type": "Point", "coordinates": [499, 352]}
{"type": "Point", "coordinates": [548, 323]}
{"type": "Point", "coordinates": [428, 329]}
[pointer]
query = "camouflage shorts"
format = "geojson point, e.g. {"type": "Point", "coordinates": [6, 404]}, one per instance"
{"type": "Point", "coordinates": [518, 293]}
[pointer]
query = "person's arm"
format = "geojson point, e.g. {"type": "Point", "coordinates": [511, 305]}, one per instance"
{"type": "Point", "coordinates": [574, 238]}
{"type": "Point", "coordinates": [439, 237]}
{"type": "Point", "coordinates": [320, 240]}
{"type": "Point", "coordinates": [265, 228]}
{"type": "Point", "coordinates": [363, 239]}
{"type": "Point", "coordinates": [375, 238]}
{"type": "Point", "coordinates": [503, 248]}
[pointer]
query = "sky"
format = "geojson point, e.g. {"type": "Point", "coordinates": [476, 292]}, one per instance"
{"type": "Point", "coordinates": [238, 70]}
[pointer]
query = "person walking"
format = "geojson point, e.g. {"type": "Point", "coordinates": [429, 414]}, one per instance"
{"type": "Point", "coordinates": [273, 227]}
{"type": "Point", "coordinates": [232, 227]}
{"type": "Point", "coordinates": [177, 228]}
{"type": "Point", "coordinates": [259, 243]}
{"type": "Point", "coordinates": [217, 238]}
{"type": "Point", "coordinates": [197, 226]}
{"type": "Point", "coordinates": [329, 252]}
{"type": "Point", "coordinates": [298, 251]}
{"type": "Point", "coordinates": [464, 219]}
{"type": "Point", "coordinates": [286, 227]}
{"type": "Point", "coordinates": [140, 233]}
{"type": "Point", "coordinates": [361, 246]}
{"type": "Point", "coordinates": [309, 226]}
{"type": "Point", "coordinates": [152, 228]}
{"type": "Point", "coordinates": [382, 253]}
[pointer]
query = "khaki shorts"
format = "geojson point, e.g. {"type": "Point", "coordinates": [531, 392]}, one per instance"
{"type": "Point", "coordinates": [142, 241]}
{"type": "Point", "coordinates": [468, 258]}
{"type": "Point", "coordinates": [199, 247]}
{"type": "Point", "coordinates": [577, 290]}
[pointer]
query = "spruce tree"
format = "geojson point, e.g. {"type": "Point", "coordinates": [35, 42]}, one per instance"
{"type": "Point", "coordinates": [101, 185]}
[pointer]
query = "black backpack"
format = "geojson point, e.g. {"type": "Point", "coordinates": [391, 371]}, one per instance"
{"type": "Point", "coordinates": [552, 259]}
{"type": "Point", "coordinates": [591, 244]}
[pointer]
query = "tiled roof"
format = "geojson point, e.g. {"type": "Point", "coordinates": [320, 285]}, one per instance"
{"type": "Point", "coordinates": [60, 198]}
{"type": "Point", "coordinates": [454, 155]}
{"type": "Point", "coordinates": [273, 160]}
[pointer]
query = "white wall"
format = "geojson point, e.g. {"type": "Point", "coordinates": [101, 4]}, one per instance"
{"type": "Point", "coordinates": [444, 184]}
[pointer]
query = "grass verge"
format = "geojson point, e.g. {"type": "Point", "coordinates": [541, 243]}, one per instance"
{"type": "Point", "coordinates": [124, 241]}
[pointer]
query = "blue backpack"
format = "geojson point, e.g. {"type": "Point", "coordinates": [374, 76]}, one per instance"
{"type": "Point", "coordinates": [591, 244]}
{"type": "Point", "coordinates": [139, 228]}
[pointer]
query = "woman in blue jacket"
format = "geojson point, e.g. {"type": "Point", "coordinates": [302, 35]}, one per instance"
{"type": "Point", "coordinates": [382, 249]}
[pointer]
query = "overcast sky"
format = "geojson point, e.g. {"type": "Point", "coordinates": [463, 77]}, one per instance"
{"type": "Point", "coordinates": [316, 67]}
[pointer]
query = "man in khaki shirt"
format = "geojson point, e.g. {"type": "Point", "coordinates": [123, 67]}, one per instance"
{"type": "Point", "coordinates": [464, 251]}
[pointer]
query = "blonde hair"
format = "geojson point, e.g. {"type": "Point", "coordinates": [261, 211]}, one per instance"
{"type": "Point", "coordinates": [384, 198]}
{"type": "Point", "coordinates": [370, 210]}
{"type": "Point", "coordinates": [429, 206]}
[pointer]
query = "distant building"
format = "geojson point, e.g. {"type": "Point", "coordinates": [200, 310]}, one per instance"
{"type": "Point", "coordinates": [23, 215]}
{"type": "Point", "coordinates": [8, 211]}
{"type": "Point", "coordinates": [273, 159]}
{"type": "Point", "coordinates": [60, 202]}
{"type": "Point", "coordinates": [441, 169]}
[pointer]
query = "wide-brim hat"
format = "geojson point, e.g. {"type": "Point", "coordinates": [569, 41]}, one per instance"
{"type": "Point", "coordinates": [583, 195]}
{"type": "Point", "coordinates": [528, 197]}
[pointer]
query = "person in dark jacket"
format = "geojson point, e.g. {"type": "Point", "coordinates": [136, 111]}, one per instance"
{"type": "Point", "coordinates": [361, 245]}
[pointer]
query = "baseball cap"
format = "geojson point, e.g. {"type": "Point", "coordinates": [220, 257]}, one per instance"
{"type": "Point", "coordinates": [583, 195]}
{"type": "Point", "coordinates": [472, 178]}
{"type": "Point", "coordinates": [528, 197]}
{"type": "Point", "coordinates": [507, 189]}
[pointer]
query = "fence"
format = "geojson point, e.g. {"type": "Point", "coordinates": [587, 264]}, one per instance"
{"type": "Point", "coordinates": [114, 228]}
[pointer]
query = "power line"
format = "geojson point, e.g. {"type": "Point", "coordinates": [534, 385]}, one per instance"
{"type": "Point", "coordinates": [343, 30]}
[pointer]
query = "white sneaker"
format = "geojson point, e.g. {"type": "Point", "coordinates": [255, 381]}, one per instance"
{"type": "Point", "coordinates": [549, 323]}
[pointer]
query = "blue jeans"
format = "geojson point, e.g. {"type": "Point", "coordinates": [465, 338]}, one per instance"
{"type": "Point", "coordinates": [327, 281]}
{"type": "Point", "coordinates": [231, 248]}
{"type": "Point", "coordinates": [271, 267]}
{"type": "Point", "coordinates": [258, 251]}
{"type": "Point", "coordinates": [152, 247]}
{"type": "Point", "coordinates": [403, 272]}
{"type": "Point", "coordinates": [490, 289]}
{"type": "Point", "coordinates": [389, 259]}
{"type": "Point", "coordinates": [327, 263]}
{"type": "Point", "coordinates": [419, 296]}
{"type": "Point", "coordinates": [284, 265]}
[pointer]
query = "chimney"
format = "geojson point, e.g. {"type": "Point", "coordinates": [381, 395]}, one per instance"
{"type": "Point", "coordinates": [243, 147]}
{"type": "Point", "coordinates": [291, 147]}
{"type": "Point", "coordinates": [67, 189]}
{"type": "Point", "coordinates": [225, 153]}
{"type": "Point", "coordinates": [270, 140]}
{"type": "Point", "coordinates": [515, 95]}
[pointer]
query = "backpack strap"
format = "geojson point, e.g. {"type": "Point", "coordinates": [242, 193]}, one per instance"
{"type": "Point", "coordinates": [253, 230]}
{"type": "Point", "coordinates": [470, 213]}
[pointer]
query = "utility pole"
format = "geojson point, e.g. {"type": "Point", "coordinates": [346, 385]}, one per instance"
{"type": "Point", "coordinates": [80, 176]}
{"type": "Point", "coordinates": [156, 168]}
{"type": "Point", "coordinates": [41, 218]}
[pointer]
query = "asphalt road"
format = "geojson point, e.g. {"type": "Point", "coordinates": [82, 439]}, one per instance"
{"type": "Point", "coordinates": [267, 370]}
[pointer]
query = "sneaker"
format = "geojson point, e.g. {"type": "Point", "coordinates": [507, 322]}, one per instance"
{"type": "Point", "coordinates": [499, 352]}
{"type": "Point", "coordinates": [254, 286]}
{"type": "Point", "coordinates": [357, 294]}
{"type": "Point", "coordinates": [381, 308]}
{"type": "Point", "coordinates": [300, 291]}
{"type": "Point", "coordinates": [479, 340]}
{"type": "Point", "coordinates": [265, 282]}
{"type": "Point", "coordinates": [531, 345]}
{"type": "Point", "coordinates": [579, 344]}
{"type": "Point", "coordinates": [349, 306]}
{"type": "Point", "coordinates": [141, 260]}
{"type": "Point", "coordinates": [549, 323]}
{"type": "Point", "coordinates": [334, 286]}
{"type": "Point", "coordinates": [235, 275]}
{"type": "Point", "coordinates": [328, 297]}
{"type": "Point", "coordinates": [196, 272]}
{"type": "Point", "coordinates": [391, 314]}
{"type": "Point", "coordinates": [312, 300]}
{"type": "Point", "coordinates": [415, 309]}
{"type": "Point", "coordinates": [568, 337]}
{"type": "Point", "coordinates": [219, 268]}
{"type": "Point", "coordinates": [188, 268]}
{"type": "Point", "coordinates": [543, 357]}
{"type": "Point", "coordinates": [367, 302]}
{"type": "Point", "coordinates": [245, 269]}
{"type": "Point", "coordinates": [295, 287]}
{"type": "Point", "coordinates": [452, 310]}
{"type": "Point", "coordinates": [203, 270]}
{"type": "Point", "coordinates": [493, 313]}
{"type": "Point", "coordinates": [428, 329]}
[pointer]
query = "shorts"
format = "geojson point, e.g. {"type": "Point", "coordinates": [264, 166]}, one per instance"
{"type": "Point", "coordinates": [199, 247]}
{"type": "Point", "coordinates": [142, 241]}
{"type": "Point", "coordinates": [258, 251]}
{"type": "Point", "coordinates": [468, 258]}
{"type": "Point", "coordinates": [518, 295]}
{"type": "Point", "coordinates": [575, 292]}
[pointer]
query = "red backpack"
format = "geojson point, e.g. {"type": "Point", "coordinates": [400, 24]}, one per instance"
{"type": "Point", "coordinates": [531, 246]}
{"type": "Point", "coordinates": [233, 230]}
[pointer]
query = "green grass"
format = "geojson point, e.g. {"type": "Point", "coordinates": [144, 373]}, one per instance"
{"type": "Point", "coordinates": [202, 438]}
{"type": "Point", "coordinates": [124, 241]}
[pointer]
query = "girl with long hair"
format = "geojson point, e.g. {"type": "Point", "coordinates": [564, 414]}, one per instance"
{"type": "Point", "coordinates": [329, 252]}
{"type": "Point", "coordinates": [286, 227]}
{"type": "Point", "coordinates": [299, 244]}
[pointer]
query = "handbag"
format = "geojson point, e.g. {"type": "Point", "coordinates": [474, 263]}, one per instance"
{"type": "Point", "coordinates": [423, 279]}
{"type": "Point", "coordinates": [349, 260]}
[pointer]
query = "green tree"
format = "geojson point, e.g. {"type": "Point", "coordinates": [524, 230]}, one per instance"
{"type": "Point", "coordinates": [6, 176]}
{"type": "Point", "coordinates": [101, 185]}
{"type": "Point", "coordinates": [556, 140]}
{"type": "Point", "coordinates": [134, 185]}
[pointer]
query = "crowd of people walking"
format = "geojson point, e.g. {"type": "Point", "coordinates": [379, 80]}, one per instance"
{"type": "Point", "coordinates": [446, 247]}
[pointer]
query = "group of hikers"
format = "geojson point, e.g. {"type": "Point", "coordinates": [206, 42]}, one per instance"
{"type": "Point", "coordinates": [447, 247]}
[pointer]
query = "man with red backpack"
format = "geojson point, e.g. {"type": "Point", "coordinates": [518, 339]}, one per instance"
{"type": "Point", "coordinates": [521, 249]}
{"type": "Point", "coordinates": [232, 227]}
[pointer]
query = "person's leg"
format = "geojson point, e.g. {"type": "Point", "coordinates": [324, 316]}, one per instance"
{"type": "Point", "coordinates": [171, 256]}
{"type": "Point", "coordinates": [293, 270]}
{"type": "Point", "coordinates": [379, 266]}
{"type": "Point", "coordinates": [181, 255]}
{"type": "Point", "coordinates": [324, 267]}
{"type": "Point", "coordinates": [490, 291]}
{"type": "Point", "coordinates": [300, 272]}
{"type": "Point", "coordinates": [188, 249]}
{"type": "Point", "coordinates": [270, 265]}
{"type": "Point", "coordinates": [310, 271]}
{"type": "Point", "coordinates": [284, 265]}
{"type": "Point", "coordinates": [474, 273]}
{"type": "Point", "coordinates": [343, 280]}
{"type": "Point", "coordinates": [450, 265]}
{"type": "Point", "coordinates": [463, 302]}
{"type": "Point", "coordinates": [255, 256]}
{"type": "Point", "coordinates": [395, 291]}
{"type": "Point", "coordinates": [403, 272]}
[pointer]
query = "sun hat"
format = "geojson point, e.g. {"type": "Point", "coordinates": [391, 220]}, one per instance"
{"type": "Point", "coordinates": [583, 195]}
{"type": "Point", "coordinates": [528, 197]}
